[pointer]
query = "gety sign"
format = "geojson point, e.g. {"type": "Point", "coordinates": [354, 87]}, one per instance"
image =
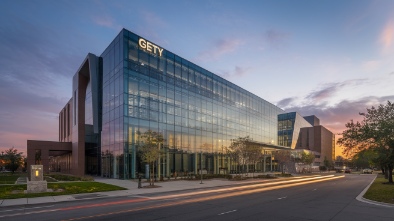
{"type": "Point", "coordinates": [150, 47]}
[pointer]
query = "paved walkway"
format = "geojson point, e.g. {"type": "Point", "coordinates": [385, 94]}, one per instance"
{"type": "Point", "coordinates": [132, 189]}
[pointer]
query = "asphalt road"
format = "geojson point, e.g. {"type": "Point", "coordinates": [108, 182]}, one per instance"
{"type": "Point", "coordinates": [327, 198]}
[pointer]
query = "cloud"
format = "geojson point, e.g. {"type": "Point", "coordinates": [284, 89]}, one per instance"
{"type": "Point", "coordinates": [275, 39]}
{"type": "Point", "coordinates": [323, 94]}
{"type": "Point", "coordinates": [335, 117]}
{"type": "Point", "coordinates": [330, 89]}
{"type": "Point", "coordinates": [236, 72]}
{"type": "Point", "coordinates": [372, 65]}
{"type": "Point", "coordinates": [387, 36]}
{"type": "Point", "coordinates": [286, 102]}
{"type": "Point", "coordinates": [106, 21]}
{"type": "Point", "coordinates": [219, 48]}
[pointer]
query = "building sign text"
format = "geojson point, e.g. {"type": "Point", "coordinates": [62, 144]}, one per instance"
{"type": "Point", "coordinates": [150, 47]}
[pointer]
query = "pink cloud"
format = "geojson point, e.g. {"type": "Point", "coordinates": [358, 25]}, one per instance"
{"type": "Point", "coordinates": [219, 48]}
{"type": "Point", "coordinates": [387, 36]}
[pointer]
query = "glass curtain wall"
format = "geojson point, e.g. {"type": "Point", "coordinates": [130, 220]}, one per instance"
{"type": "Point", "coordinates": [92, 140]}
{"type": "Point", "coordinates": [197, 112]}
{"type": "Point", "coordinates": [289, 125]}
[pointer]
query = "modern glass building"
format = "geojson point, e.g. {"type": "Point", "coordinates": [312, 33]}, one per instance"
{"type": "Point", "coordinates": [136, 85]}
{"type": "Point", "coordinates": [146, 87]}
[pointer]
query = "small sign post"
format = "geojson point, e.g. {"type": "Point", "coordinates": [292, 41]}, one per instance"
{"type": "Point", "coordinates": [36, 184]}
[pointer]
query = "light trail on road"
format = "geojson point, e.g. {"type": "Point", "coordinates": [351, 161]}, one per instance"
{"type": "Point", "coordinates": [242, 187]}
{"type": "Point", "coordinates": [222, 193]}
{"type": "Point", "coordinates": [206, 198]}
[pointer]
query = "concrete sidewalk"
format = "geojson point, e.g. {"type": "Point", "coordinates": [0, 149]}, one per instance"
{"type": "Point", "coordinates": [132, 189]}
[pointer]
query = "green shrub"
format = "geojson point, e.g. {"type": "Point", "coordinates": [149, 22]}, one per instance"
{"type": "Point", "coordinates": [207, 176]}
{"type": "Point", "coordinates": [284, 175]}
{"type": "Point", "coordinates": [238, 177]}
{"type": "Point", "coordinates": [267, 176]}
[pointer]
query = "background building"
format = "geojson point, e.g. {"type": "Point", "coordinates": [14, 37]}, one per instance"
{"type": "Point", "coordinates": [306, 133]}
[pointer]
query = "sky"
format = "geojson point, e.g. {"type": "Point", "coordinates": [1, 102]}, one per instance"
{"type": "Point", "coordinates": [333, 59]}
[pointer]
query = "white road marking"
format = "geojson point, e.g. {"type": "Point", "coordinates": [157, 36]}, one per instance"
{"type": "Point", "coordinates": [144, 197]}
{"type": "Point", "coordinates": [227, 212]}
{"type": "Point", "coordinates": [282, 198]}
{"type": "Point", "coordinates": [314, 190]}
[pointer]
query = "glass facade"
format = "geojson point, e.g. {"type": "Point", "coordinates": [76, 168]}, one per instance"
{"type": "Point", "coordinates": [92, 139]}
{"type": "Point", "coordinates": [198, 112]}
{"type": "Point", "coordinates": [289, 126]}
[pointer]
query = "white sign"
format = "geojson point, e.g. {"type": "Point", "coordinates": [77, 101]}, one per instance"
{"type": "Point", "coordinates": [150, 47]}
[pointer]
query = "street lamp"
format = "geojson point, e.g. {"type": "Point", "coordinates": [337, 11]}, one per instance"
{"type": "Point", "coordinates": [201, 166]}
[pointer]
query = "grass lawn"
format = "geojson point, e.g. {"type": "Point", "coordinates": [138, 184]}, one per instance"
{"type": "Point", "coordinates": [380, 191]}
{"type": "Point", "coordinates": [16, 191]}
{"type": "Point", "coordinates": [8, 178]}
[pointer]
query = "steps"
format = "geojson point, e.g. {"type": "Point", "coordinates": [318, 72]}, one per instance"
{"type": "Point", "coordinates": [21, 180]}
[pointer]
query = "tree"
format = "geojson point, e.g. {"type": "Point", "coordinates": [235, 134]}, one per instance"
{"type": "Point", "coordinates": [240, 151]}
{"type": "Point", "coordinates": [282, 156]}
{"type": "Point", "coordinates": [307, 158]}
{"type": "Point", "coordinates": [375, 132]}
{"type": "Point", "coordinates": [149, 148]}
{"type": "Point", "coordinates": [365, 158]}
{"type": "Point", "coordinates": [12, 159]}
{"type": "Point", "coordinates": [327, 163]}
{"type": "Point", "coordinates": [234, 154]}
{"type": "Point", "coordinates": [254, 155]}
{"type": "Point", "coordinates": [2, 160]}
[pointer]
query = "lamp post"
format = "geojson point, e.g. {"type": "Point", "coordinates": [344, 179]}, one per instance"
{"type": "Point", "coordinates": [201, 166]}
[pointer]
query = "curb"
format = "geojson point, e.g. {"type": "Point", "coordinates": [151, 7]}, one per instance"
{"type": "Point", "coordinates": [361, 198]}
